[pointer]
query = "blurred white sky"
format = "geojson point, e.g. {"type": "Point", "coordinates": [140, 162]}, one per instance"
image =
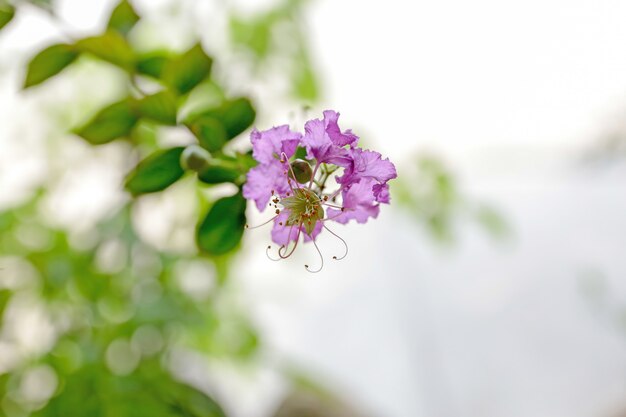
{"type": "Point", "coordinates": [509, 93]}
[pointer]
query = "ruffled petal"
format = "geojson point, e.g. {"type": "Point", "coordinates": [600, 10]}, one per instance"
{"type": "Point", "coordinates": [269, 144]}
{"type": "Point", "coordinates": [359, 203]}
{"type": "Point", "coordinates": [381, 193]}
{"type": "Point", "coordinates": [368, 164]}
{"type": "Point", "coordinates": [261, 180]}
{"type": "Point", "coordinates": [334, 133]}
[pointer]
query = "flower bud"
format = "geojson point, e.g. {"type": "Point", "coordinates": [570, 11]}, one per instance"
{"type": "Point", "coordinates": [301, 170]}
{"type": "Point", "coordinates": [195, 158]}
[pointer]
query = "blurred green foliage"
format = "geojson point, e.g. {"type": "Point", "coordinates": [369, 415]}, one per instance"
{"type": "Point", "coordinates": [430, 193]}
{"type": "Point", "coordinates": [115, 304]}
{"type": "Point", "coordinates": [278, 34]}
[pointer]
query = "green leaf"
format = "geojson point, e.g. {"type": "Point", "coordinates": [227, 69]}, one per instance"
{"type": "Point", "coordinates": [255, 36]}
{"type": "Point", "coordinates": [94, 391]}
{"type": "Point", "coordinates": [111, 47]}
{"type": "Point", "coordinates": [222, 228]}
{"type": "Point", "coordinates": [112, 122]}
{"type": "Point", "coordinates": [123, 18]}
{"type": "Point", "coordinates": [6, 14]}
{"type": "Point", "coordinates": [231, 118]}
{"type": "Point", "coordinates": [48, 63]}
{"type": "Point", "coordinates": [157, 172]}
{"type": "Point", "coordinates": [160, 107]}
{"type": "Point", "coordinates": [235, 115]}
{"type": "Point", "coordinates": [188, 70]}
{"type": "Point", "coordinates": [45, 5]}
{"type": "Point", "coordinates": [152, 64]}
{"type": "Point", "coordinates": [210, 132]}
{"type": "Point", "coordinates": [219, 171]}
{"type": "Point", "coordinates": [305, 86]}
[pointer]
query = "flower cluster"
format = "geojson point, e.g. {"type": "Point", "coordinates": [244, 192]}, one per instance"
{"type": "Point", "coordinates": [294, 174]}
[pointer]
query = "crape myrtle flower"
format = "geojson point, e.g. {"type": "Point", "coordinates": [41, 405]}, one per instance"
{"type": "Point", "coordinates": [296, 188]}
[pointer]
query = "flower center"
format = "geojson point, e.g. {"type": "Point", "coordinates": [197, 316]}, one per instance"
{"type": "Point", "coordinates": [305, 209]}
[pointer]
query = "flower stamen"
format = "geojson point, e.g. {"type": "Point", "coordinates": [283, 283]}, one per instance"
{"type": "Point", "coordinates": [321, 257]}
{"type": "Point", "coordinates": [262, 224]}
{"type": "Point", "coordinates": [267, 253]}
{"type": "Point", "coordinates": [342, 240]}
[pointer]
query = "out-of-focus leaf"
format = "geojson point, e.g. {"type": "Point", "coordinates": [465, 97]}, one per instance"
{"type": "Point", "coordinates": [255, 35]}
{"type": "Point", "coordinates": [114, 121]}
{"type": "Point", "coordinates": [188, 70]}
{"type": "Point", "coordinates": [157, 172]}
{"type": "Point", "coordinates": [42, 4]}
{"type": "Point", "coordinates": [210, 132]}
{"type": "Point", "coordinates": [123, 18]}
{"type": "Point", "coordinates": [304, 83]}
{"type": "Point", "coordinates": [6, 14]}
{"type": "Point", "coordinates": [152, 64]}
{"type": "Point", "coordinates": [235, 116]}
{"type": "Point", "coordinates": [492, 221]}
{"type": "Point", "coordinates": [219, 171]}
{"type": "Point", "coordinates": [94, 391]}
{"type": "Point", "coordinates": [160, 107]}
{"type": "Point", "coordinates": [111, 47]}
{"type": "Point", "coordinates": [48, 63]}
{"type": "Point", "coordinates": [222, 228]}
{"type": "Point", "coordinates": [5, 295]}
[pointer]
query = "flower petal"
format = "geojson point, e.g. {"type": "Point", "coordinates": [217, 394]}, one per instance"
{"type": "Point", "coordinates": [335, 134]}
{"type": "Point", "coordinates": [261, 180]}
{"type": "Point", "coordinates": [367, 164]}
{"type": "Point", "coordinates": [269, 144]}
{"type": "Point", "coordinates": [359, 203]}
{"type": "Point", "coordinates": [320, 147]}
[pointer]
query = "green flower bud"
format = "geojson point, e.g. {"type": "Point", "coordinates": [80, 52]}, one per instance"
{"type": "Point", "coordinates": [195, 158]}
{"type": "Point", "coordinates": [301, 170]}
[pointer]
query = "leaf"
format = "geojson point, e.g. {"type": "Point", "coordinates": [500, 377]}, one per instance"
{"type": "Point", "coordinates": [93, 390]}
{"type": "Point", "coordinates": [305, 86]}
{"type": "Point", "coordinates": [210, 132]}
{"type": "Point", "coordinates": [237, 116]}
{"type": "Point", "coordinates": [188, 70]}
{"type": "Point", "coordinates": [222, 228]}
{"type": "Point", "coordinates": [160, 107]}
{"type": "Point", "coordinates": [7, 12]}
{"type": "Point", "coordinates": [111, 47]}
{"type": "Point", "coordinates": [112, 122]}
{"type": "Point", "coordinates": [219, 171]}
{"type": "Point", "coordinates": [48, 63]}
{"type": "Point", "coordinates": [45, 5]}
{"type": "Point", "coordinates": [255, 36]}
{"type": "Point", "coordinates": [123, 18]}
{"type": "Point", "coordinates": [157, 172]}
{"type": "Point", "coordinates": [152, 64]}
{"type": "Point", "coordinates": [234, 116]}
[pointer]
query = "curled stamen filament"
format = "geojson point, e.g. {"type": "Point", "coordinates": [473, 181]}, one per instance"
{"type": "Point", "coordinates": [267, 253]}
{"type": "Point", "coordinates": [321, 257]}
{"type": "Point", "coordinates": [342, 240]}
{"type": "Point", "coordinates": [283, 256]}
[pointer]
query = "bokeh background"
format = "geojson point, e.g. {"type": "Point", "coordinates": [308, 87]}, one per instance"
{"type": "Point", "coordinates": [492, 285]}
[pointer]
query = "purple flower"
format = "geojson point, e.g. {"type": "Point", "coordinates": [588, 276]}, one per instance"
{"type": "Point", "coordinates": [267, 177]}
{"type": "Point", "coordinates": [325, 143]}
{"type": "Point", "coordinates": [297, 190]}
